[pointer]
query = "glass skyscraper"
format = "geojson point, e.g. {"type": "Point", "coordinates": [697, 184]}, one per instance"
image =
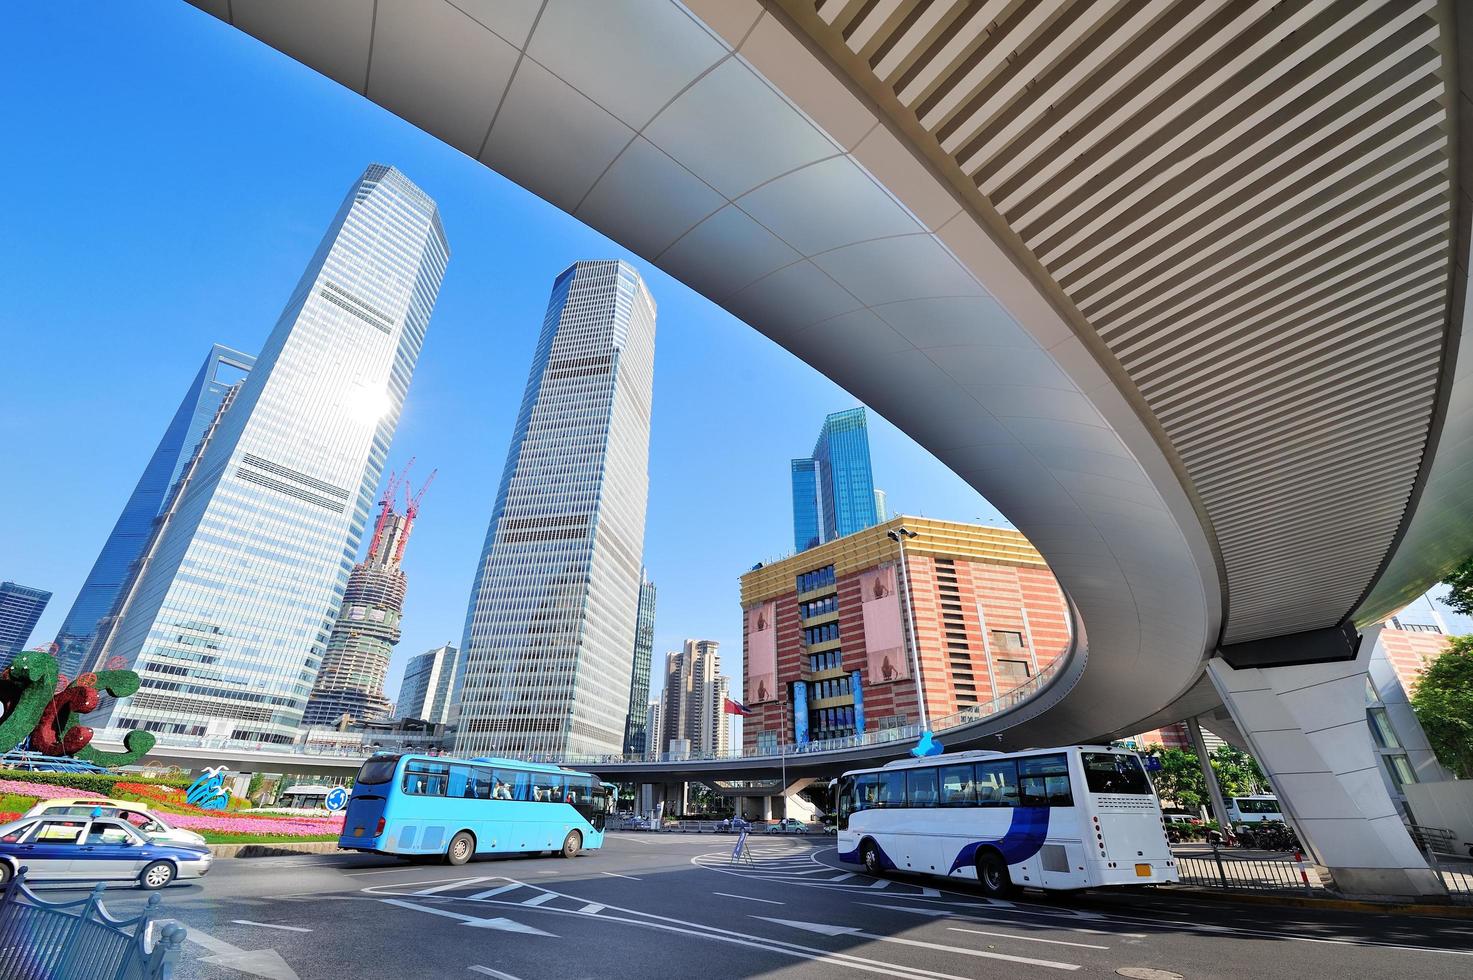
{"type": "Point", "coordinates": [223, 367]}
{"type": "Point", "coordinates": [551, 620]}
{"type": "Point", "coordinates": [20, 609]}
{"type": "Point", "coordinates": [636, 728]}
{"type": "Point", "coordinates": [834, 489]}
{"type": "Point", "coordinates": [429, 679]}
{"type": "Point", "coordinates": [228, 623]}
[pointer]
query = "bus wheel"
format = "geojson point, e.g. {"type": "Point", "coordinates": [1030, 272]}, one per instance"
{"type": "Point", "coordinates": [870, 855]}
{"type": "Point", "coordinates": [572, 844]}
{"type": "Point", "coordinates": [992, 873]}
{"type": "Point", "coordinates": [462, 846]}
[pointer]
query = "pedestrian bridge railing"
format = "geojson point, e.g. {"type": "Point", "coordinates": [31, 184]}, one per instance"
{"type": "Point", "coordinates": [80, 940]}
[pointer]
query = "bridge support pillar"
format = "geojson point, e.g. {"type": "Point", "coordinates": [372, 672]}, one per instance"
{"type": "Point", "coordinates": [1307, 726]}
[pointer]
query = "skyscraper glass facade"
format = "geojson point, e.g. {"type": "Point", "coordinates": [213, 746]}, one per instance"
{"type": "Point", "coordinates": [552, 613]}
{"type": "Point", "coordinates": [429, 680]}
{"type": "Point", "coordinates": [636, 728]}
{"type": "Point", "coordinates": [228, 624]}
{"type": "Point", "coordinates": [222, 368]}
{"type": "Point", "coordinates": [20, 609]}
{"type": "Point", "coordinates": [834, 489]}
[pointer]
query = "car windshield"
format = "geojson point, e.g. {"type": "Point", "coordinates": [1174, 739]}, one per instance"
{"type": "Point", "coordinates": [379, 769]}
{"type": "Point", "coordinates": [1107, 772]}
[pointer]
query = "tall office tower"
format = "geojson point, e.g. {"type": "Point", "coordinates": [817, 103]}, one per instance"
{"type": "Point", "coordinates": [694, 698]}
{"type": "Point", "coordinates": [350, 682]}
{"type": "Point", "coordinates": [834, 489]}
{"type": "Point", "coordinates": [655, 739]}
{"type": "Point", "coordinates": [228, 623]}
{"type": "Point", "coordinates": [429, 680]}
{"type": "Point", "coordinates": [223, 368]}
{"type": "Point", "coordinates": [882, 509]}
{"type": "Point", "coordinates": [552, 613]}
{"type": "Point", "coordinates": [636, 726]}
{"type": "Point", "coordinates": [20, 608]}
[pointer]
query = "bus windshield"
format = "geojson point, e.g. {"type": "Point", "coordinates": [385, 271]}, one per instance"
{"type": "Point", "coordinates": [1107, 772]}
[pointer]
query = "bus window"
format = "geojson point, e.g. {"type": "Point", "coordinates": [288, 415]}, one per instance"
{"type": "Point", "coordinates": [423, 778]}
{"type": "Point", "coordinates": [1044, 781]}
{"type": "Point", "coordinates": [547, 788]}
{"type": "Point", "coordinates": [956, 786]}
{"type": "Point", "coordinates": [1107, 772]}
{"type": "Point", "coordinates": [892, 789]}
{"type": "Point", "coordinates": [867, 791]}
{"type": "Point", "coordinates": [379, 769]}
{"type": "Point", "coordinates": [997, 783]}
{"type": "Point", "coordinates": [461, 783]}
{"type": "Point", "coordinates": [846, 800]}
{"type": "Point", "coordinates": [920, 787]}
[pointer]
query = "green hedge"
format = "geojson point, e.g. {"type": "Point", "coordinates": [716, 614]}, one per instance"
{"type": "Point", "coordinates": [96, 782]}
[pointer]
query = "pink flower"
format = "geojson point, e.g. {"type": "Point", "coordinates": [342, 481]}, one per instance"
{"type": "Point", "coordinates": [44, 791]}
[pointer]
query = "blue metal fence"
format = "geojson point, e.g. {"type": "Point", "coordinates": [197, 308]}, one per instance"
{"type": "Point", "coordinates": [80, 940]}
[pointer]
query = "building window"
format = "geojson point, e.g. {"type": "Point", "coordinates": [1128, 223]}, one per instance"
{"type": "Point", "coordinates": [1400, 770]}
{"type": "Point", "coordinates": [1381, 729]}
{"type": "Point", "coordinates": [1007, 640]}
{"type": "Point", "coordinates": [1013, 670]}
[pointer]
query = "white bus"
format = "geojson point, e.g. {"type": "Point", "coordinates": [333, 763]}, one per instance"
{"type": "Point", "coordinates": [1068, 818]}
{"type": "Point", "coordinates": [1253, 809]}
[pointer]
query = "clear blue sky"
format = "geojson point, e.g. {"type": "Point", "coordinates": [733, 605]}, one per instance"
{"type": "Point", "coordinates": [167, 181]}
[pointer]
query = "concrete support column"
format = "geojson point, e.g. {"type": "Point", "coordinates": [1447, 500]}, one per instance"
{"type": "Point", "coordinates": [1307, 726]}
{"type": "Point", "coordinates": [1214, 788]}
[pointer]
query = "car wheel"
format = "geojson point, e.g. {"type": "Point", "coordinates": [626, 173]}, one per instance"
{"type": "Point", "coordinates": [462, 846]}
{"type": "Point", "coordinates": [992, 873]}
{"type": "Point", "coordinates": [572, 844]}
{"type": "Point", "coordinates": [6, 873]}
{"type": "Point", "coordinates": [870, 855]}
{"type": "Point", "coordinates": [156, 875]}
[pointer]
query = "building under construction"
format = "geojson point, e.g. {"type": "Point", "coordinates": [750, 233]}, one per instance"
{"type": "Point", "coordinates": [350, 685]}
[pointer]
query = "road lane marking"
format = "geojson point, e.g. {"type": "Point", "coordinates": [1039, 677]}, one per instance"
{"type": "Point", "coordinates": [1030, 939]}
{"type": "Point", "coordinates": [749, 898]}
{"type": "Point", "coordinates": [592, 908]}
{"type": "Point", "coordinates": [380, 871]}
{"type": "Point", "coordinates": [830, 930]}
{"type": "Point", "coordinates": [454, 884]}
{"type": "Point", "coordinates": [972, 917]}
{"type": "Point", "coordinates": [265, 963]}
{"type": "Point", "coordinates": [539, 899]}
{"type": "Point", "coordinates": [882, 883]}
{"type": "Point", "coordinates": [495, 891]}
{"type": "Point", "coordinates": [615, 874]}
{"type": "Point", "coordinates": [488, 972]}
{"type": "Point", "coordinates": [269, 925]}
{"type": "Point", "coordinates": [843, 877]}
{"type": "Point", "coordinates": [504, 925]}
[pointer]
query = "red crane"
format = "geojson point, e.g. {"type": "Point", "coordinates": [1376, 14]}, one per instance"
{"type": "Point", "coordinates": [386, 506]}
{"type": "Point", "coordinates": [411, 509]}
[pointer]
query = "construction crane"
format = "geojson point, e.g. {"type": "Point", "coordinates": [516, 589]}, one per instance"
{"type": "Point", "coordinates": [411, 508]}
{"type": "Point", "coordinates": [386, 506]}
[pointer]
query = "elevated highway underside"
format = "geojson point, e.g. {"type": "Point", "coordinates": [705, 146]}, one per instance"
{"type": "Point", "coordinates": [1178, 286]}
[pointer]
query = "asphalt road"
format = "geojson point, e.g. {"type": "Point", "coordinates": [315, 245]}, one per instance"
{"type": "Point", "coordinates": [657, 906]}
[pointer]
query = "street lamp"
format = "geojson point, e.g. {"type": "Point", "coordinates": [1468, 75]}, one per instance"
{"type": "Point", "coordinates": [899, 536]}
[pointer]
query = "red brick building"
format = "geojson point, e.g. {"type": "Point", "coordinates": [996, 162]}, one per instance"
{"type": "Point", "coordinates": [1411, 649]}
{"type": "Point", "coordinates": [825, 632]}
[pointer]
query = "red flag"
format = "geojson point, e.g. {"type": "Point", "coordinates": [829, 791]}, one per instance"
{"type": "Point", "coordinates": [736, 708]}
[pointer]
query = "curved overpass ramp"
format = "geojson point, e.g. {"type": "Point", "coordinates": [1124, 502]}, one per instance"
{"type": "Point", "coordinates": [1178, 286]}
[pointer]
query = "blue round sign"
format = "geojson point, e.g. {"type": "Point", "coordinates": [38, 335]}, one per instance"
{"type": "Point", "coordinates": [337, 798]}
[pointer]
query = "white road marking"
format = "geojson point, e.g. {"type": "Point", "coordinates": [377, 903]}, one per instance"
{"type": "Point", "coordinates": [453, 884]}
{"type": "Point", "coordinates": [495, 891]}
{"type": "Point", "coordinates": [1030, 939]}
{"type": "Point", "coordinates": [591, 909]}
{"type": "Point", "coordinates": [269, 925]}
{"type": "Point", "coordinates": [380, 871]}
{"type": "Point", "coordinates": [549, 872]}
{"type": "Point", "coordinates": [615, 874]}
{"type": "Point", "coordinates": [830, 930]}
{"type": "Point", "coordinates": [539, 899]}
{"type": "Point", "coordinates": [265, 963]}
{"type": "Point", "coordinates": [973, 917]}
{"type": "Point", "coordinates": [749, 898]}
{"type": "Point", "coordinates": [504, 925]}
{"type": "Point", "coordinates": [882, 883]}
{"type": "Point", "coordinates": [843, 877]}
{"type": "Point", "coordinates": [488, 972]}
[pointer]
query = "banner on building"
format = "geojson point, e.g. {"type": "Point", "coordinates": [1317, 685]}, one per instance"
{"type": "Point", "coordinates": [800, 713]}
{"type": "Point", "coordinates": [856, 684]}
{"type": "Point", "coordinates": [761, 637]}
{"type": "Point", "coordinates": [884, 640]}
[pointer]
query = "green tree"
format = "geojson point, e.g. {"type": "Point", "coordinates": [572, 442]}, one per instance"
{"type": "Point", "coordinates": [1179, 780]}
{"type": "Point", "coordinates": [1444, 704]}
{"type": "Point", "coordinates": [1460, 580]}
{"type": "Point", "coordinates": [1237, 772]}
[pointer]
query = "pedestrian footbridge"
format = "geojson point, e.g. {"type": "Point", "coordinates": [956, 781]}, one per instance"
{"type": "Point", "coordinates": [1179, 286]}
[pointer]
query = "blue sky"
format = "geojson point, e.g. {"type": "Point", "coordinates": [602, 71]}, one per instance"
{"type": "Point", "coordinates": [167, 182]}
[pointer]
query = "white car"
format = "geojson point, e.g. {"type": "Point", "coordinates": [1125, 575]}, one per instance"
{"type": "Point", "coordinates": [146, 821]}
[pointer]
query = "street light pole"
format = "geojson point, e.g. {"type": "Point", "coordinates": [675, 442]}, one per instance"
{"type": "Point", "coordinates": [899, 536]}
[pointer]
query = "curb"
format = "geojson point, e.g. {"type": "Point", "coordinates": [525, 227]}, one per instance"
{"type": "Point", "coordinates": [272, 850]}
{"type": "Point", "coordinates": [1333, 904]}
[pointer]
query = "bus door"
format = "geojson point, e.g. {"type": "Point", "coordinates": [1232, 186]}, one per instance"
{"type": "Point", "coordinates": [1043, 782]}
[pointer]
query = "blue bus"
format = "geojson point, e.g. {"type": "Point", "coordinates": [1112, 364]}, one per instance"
{"type": "Point", "coordinates": [422, 806]}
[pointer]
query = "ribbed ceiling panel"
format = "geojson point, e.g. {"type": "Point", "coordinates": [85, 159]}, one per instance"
{"type": "Point", "coordinates": [1251, 204]}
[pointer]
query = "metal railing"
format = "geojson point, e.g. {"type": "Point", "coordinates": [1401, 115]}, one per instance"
{"type": "Point", "coordinates": [1450, 858]}
{"type": "Point", "coordinates": [1228, 871]}
{"type": "Point", "coordinates": [79, 940]}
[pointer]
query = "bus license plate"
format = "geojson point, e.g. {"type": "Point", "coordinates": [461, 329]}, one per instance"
{"type": "Point", "coordinates": [1143, 871]}
{"type": "Point", "coordinates": [358, 832]}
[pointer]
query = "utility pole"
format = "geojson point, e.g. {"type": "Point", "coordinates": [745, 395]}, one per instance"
{"type": "Point", "coordinates": [899, 536]}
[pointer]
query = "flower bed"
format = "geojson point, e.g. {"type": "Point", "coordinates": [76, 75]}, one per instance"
{"type": "Point", "coordinates": [279, 826]}
{"type": "Point", "coordinates": [42, 791]}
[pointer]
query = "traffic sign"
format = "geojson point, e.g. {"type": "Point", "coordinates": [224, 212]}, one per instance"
{"type": "Point", "coordinates": [337, 798]}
